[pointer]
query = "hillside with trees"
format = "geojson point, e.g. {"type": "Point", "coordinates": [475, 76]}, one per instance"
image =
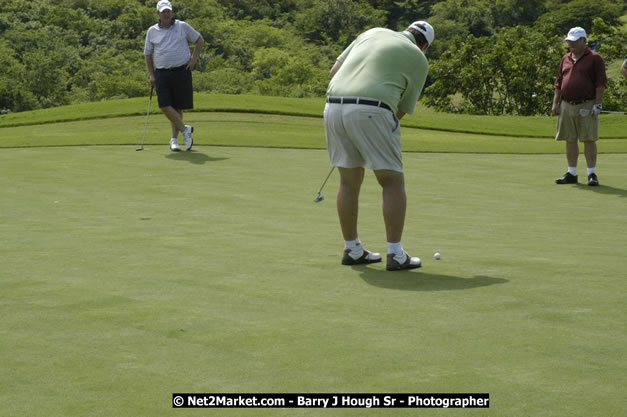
{"type": "Point", "coordinates": [489, 57]}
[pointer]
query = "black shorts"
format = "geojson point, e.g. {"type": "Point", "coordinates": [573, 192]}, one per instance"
{"type": "Point", "coordinates": [174, 88]}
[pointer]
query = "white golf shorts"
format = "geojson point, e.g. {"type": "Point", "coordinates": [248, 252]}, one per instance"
{"type": "Point", "coordinates": [364, 136]}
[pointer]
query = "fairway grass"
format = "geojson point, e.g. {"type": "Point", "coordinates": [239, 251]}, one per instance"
{"type": "Point", "coordinates": [612, 126]}
{"type": "Point", "coordinates": [269, 130]}
{"type": "Point", "coordinates": [127, 276]}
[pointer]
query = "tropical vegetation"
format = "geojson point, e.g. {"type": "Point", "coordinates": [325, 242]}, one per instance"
{"type": "Point", "coordinates": [489, 57]}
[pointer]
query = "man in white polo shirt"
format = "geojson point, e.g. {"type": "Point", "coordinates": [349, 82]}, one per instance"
{"type": "Point", "coordinates": [170, 66]}
{"type": "Point", "coordinates": [376, 81]}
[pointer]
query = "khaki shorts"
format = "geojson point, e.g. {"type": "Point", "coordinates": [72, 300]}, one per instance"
{"type": "Point", "coordinates": [573, 127]}
{"type": "Point", "coordinates": [364, 136]}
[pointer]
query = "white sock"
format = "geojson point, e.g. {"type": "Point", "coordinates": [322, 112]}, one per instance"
{"type": "Point", "coordinates": [592, 170]}
{"type": "Point", "coordinates": [396, 249]}
{"type": "Point", "coordinates": [355, 246]}
{"type": "Point", "coordinates": [572, 170]}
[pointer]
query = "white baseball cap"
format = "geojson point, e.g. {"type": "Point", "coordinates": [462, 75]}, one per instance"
{"type": "Point", "coordinates": [163, 4]}
{"type": "Point", "coordinates": [428, 31]}
{"type": "Point", "coordinates": [576, 33]}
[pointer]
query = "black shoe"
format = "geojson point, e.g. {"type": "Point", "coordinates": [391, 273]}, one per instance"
{"type": "Point", "coordinates": [593, 181]}
{"type": "Point", "coordinates": [568, 178]}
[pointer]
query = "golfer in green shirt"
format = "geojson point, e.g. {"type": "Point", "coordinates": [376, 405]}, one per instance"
{"type": "Point", "coordinates": [375, 82]}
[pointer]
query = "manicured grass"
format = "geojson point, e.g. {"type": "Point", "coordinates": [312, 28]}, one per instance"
{"type": "Point", "coordinates": [612, 126]}
{"type": "Point", "coordinates": [266, 130]}
{"type": "Point", "coordinates": [139, 106]}
{"type": "Point", "coordinates": [127, 276]}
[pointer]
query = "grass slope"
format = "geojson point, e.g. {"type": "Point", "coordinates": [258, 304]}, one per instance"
{"type": "Point", "coordinates": [612, 126]}
{"type": "Point", "coordinates": [127, 276]}
{"type": "Point", "coordinates": [265, 130]}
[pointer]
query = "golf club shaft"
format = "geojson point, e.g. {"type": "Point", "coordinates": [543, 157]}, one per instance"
{"type": "Point", "coordinates": [147, 114]}
{"type": "Point", "coordinates": [326, 179]}
{"type": "Point", "coordinates": [586, 112]}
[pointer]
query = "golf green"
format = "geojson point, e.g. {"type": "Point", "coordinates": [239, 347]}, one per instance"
{"type": "Point", "coordinates": [127, 276]}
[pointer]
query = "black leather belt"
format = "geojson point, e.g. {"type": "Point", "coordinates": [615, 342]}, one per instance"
{"type": "Point", "coordinates": [181, 68]}
{"type": "Point", "coordinates": [357, 100]}
{"type": "Point", "coordinates": [575, 102]}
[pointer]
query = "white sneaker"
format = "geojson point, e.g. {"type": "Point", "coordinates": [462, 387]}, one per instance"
{"type": "Point", "coordinates": [174, 145]}
{"type": "Point", "coordinates": [187, 135]}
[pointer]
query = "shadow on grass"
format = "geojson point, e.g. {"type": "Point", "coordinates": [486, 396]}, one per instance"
{"type": "Point", "coordinates": [604, 189]}
{"type": "Point", "coordinates": [416, 280]}
{"type": "Point", "coordinates": [193, 157]}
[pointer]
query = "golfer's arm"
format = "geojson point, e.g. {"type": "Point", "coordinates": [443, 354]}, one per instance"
{"type": "Point", "coordinates": [335, 68]}
{"type": "Point", "coordinates": [598, 98]}
{"type": "Point", "coordinates": [400, 114]}
{"type": "Point", "coordinates": [150, 65]}
{"type": "Point", "coordinates": [200, 42]}
{"type": "Point", "coordinates": [557, 97]}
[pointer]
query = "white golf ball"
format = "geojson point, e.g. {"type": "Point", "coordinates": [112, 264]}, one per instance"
{"type": "Point", "coordinates": [436, 256]}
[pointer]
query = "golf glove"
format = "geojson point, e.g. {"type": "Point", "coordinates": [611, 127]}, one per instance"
{"type": "Point", "coordinates": [596, 109]}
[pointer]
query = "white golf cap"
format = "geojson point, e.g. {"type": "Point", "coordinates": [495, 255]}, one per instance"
{"type": "Point", "coordinates": [576, 33]}
{"type": "Point", "coordinates": [428, 31]}
{"type": "Point", "coordinates": [163, 4]}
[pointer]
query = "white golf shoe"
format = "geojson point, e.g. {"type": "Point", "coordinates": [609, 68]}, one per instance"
{"type": "Point", "coordinates": [174, 145]}
{"type": "Point", "coordinates": [404, 262]}
{"type": "Point", "coordinates": [187, 135]}
{"type": "Point", "coordinates": [366, 257]}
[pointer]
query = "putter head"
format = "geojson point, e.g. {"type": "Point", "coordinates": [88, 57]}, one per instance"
{"type": "Point", "coordinates": [319, 198]}
{"type": "Point", "coordinates": [584, 112]}
{"type": "Point", "coordinates": [139, 149]}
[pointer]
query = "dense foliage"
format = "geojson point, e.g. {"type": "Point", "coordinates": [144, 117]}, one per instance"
{"type": "Point", "coordinates": [490, 56]}
{"type": "Point", "coordinates": [511, 70]}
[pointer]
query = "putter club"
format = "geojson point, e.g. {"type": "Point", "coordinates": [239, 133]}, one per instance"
{"type": "Point", "coordinates": [586, 112]}
{"type": "Point", "coordinates": [141, 147]}
{"type": "Point", "coordinates": [320, 197]}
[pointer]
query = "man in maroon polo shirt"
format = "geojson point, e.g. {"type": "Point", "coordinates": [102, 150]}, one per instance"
{"type": "Point", "coordinates": [579, 85]}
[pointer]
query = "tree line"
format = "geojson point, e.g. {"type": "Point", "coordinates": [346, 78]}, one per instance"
{"type": "Point", "coordinates": [489, 57]}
